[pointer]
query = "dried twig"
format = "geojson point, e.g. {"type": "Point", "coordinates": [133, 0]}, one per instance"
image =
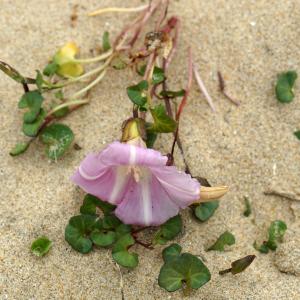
{"type": "Point", "coordinates": [286, 194]}
{"type": "Point", "coordinates": [223, 90]}
{"type": "Point", "coordinates": [203, 88]}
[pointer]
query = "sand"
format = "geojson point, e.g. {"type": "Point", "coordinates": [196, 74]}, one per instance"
{"type": "Point", "coordinates": [249, 148]}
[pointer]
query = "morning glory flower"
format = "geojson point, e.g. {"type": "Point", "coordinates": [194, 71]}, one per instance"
{"type": "Point", "coordinates": [146, 191]}
{"type": "Point", "coordinates": [137, 180]}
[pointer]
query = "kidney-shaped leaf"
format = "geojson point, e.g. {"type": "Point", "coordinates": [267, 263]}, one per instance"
{"type": "Point", "coordinates": [78, 230]}
{"type": "Point", "coordinates": [184, 269]}
{"type": "Point", "coordinates": [58, 138]}
{"type": "Point", "coordinates": [120, 252]}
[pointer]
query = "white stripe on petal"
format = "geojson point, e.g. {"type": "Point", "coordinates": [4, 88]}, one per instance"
{"type": "Point", "coordinates": [122, 177]}
{"type": "Point", "coordinates": [146, 198]}
{"type": "Point", "coordinates": [132, 155]}
{"type": "Point", "coordinates": [86, 176]}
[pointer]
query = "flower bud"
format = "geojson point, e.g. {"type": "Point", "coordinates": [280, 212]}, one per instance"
{"type": "Point", "coordinates": [65, 59]}
{"type": "Point", "coordinates": [134, 132]}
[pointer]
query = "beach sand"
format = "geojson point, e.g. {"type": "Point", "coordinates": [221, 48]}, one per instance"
{"type": "Point", "coordinates": [249, 148]}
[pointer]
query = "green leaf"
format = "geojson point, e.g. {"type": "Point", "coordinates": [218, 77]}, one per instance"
{"type": "Point", "coordinates": [120, 252]}
{"type": "Point", "coordinates": [168, 230]}
{"type": "Point", "coordinates": [276, 231]}
{"type": "Point", "coordinates": [103, 238]}
{"type": "Point", "coordinates": [32, 129]}
{"type": "Point", "coordinates": [284, 86]}
{"type": "Point", "coordinates": [111, 222]}
{"type": "Point", "coordinates": [78, 230]}
{"type": "Point", "coordinates": [204, 211]}
{"type": "Point", "coordinates": [239, 265]}
{"type": "Point", "coordinates": [248, 209]}
{"type": "Point", "coordinates": [171, 252]}
{"type": "Point", "coordinates": [158, 75]}
{"type": "Point", "coordinates": [14, 74]}
{"type": "Point", "coordinates": [19, 149]}
{"type": "Point", "coordinates": [41, 246]}
{"type": "Point", "coordinates": [183, 269]}
{"type": "Point", "coordinates": [50, 69]}
{"type": "Point", "coordinates": [90, 203]}
{"type": "Point", "coordinates": [151, 138]}
{"type": "Point", "coordinates": [262, 248]}
{"type": "Point", "coordinates": [122, 229]}
{"type": "Point", "coordinates": [118, 63]}
{"type": "Point", "coordinates": [141, 71]}
{"type": "Point", "coordinates": [136, 93]}
{"type": "Point", "coordinates": [224, 239]}
{"type": "Point", "coordinates": [58, 138]}
{"type": "Point", "coordinates": [105, 41]}
{"type": "Point", "coordinates": [61, 112]}
{"type": "Point", "coordinates": [172, 94]}
{"type": "Point", "coordinates": [162, 122]}
{"type": "Point", "coordinates": [297, 134]}
{"type": "Point", "coordinates": [39, 80]}
{"type": "Point", "coordinates": [59, 95]}
{"type": "Point", "coordinates": [32, 100]}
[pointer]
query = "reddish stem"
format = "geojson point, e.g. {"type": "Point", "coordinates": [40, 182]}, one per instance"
{"type": "Point", "coordinates": [188, 86]}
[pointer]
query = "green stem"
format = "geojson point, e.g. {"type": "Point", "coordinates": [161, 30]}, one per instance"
{"type": "Point", "coordinates": [88, 87]}
{"type": "Point", "coordinates": [187, 289]}
{"type": "Point", "coordinates": [94, 59]}
{"type": "Point", "coordinates": [67, 104]}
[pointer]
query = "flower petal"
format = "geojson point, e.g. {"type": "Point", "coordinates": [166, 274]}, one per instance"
{"type": "Point", "coordinates": [146, 203]}
{"type": "Point", "coordinates": [125, 154]}
{"type": "Point", "coordinates": [181, 187]}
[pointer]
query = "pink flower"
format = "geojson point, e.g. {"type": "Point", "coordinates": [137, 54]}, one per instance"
{"type": "Point", "coordinates": [137, 180]}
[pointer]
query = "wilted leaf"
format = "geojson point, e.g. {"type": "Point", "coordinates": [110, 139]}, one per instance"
{"type": "Point", "coordinates": [239, 265]}
{"type": "Point", "coordinates": [14, 74]}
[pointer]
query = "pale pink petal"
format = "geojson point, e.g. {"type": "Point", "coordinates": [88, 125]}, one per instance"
{"type": "Point", "coordinates": [146, 203]}
{"type": "Point", "coordinates": [181, 187]}
{"type": "Point", "coordinates": [125, 154]}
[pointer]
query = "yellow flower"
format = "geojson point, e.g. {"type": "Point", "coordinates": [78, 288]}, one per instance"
{"type": "Point", "coordinates": [66, 62]}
